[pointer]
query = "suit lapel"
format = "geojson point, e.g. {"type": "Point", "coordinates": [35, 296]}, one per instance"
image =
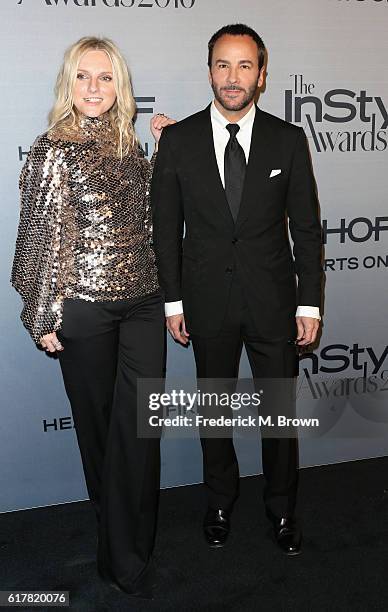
{"type": "Point", "coordinates": [256, 172]}
{"type": "Point", "coordinates": [257, 169]}
{"type": "Point", "coordinates": [210, 175]}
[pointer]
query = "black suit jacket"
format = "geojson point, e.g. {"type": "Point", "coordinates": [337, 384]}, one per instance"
{"type": "Point", "coordinates": [199, 268]}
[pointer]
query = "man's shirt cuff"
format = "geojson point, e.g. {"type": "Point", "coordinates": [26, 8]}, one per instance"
{"type": "Point", "coordinates": [173, 308]}
{"type": "Point", "coordinates": [308, 311]}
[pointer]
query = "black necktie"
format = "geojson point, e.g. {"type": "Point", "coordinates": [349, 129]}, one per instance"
{"type": "Point", "coordinates": [234, 170]}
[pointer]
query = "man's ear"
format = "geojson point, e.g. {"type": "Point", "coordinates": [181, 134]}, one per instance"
{"type": "Point", "coordinates": [209, 76]}
{"type": "Point", "coordinates": [260, 80]}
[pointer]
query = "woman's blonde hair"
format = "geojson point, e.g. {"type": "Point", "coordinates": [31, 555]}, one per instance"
{"type": "Point", "coordinates": [65, 115]}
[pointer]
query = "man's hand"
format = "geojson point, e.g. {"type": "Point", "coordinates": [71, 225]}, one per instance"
{"type": "Point", "coordinates": [51, 343]}
{"type": "Point", "coordinates": [307, 330]}
{"type": "Point", "coordinates": [177, 328]}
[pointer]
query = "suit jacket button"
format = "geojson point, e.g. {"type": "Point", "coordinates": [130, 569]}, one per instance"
{"type": "Point", "coordinates": [229, 269]}
{"type": "Point", "coordinates": [234, 240]}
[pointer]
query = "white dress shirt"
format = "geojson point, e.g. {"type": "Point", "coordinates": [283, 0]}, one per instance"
{"type": "Point", "coordinates": [220, 139]}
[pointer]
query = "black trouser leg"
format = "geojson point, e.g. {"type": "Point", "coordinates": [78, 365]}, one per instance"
{"type": "Point", "coordinates": [107, 346]}
{"type": "Point", "coordinates": [219, 357]}
{"type": "Point", "coordinates": [90, 335]}
{"type": "Point", "coordinates": [271, 360]}
{"type": "Point", "coordinates": [131, 481]}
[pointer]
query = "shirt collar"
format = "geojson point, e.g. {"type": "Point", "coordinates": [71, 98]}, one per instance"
{"type": "Point", "coordinates": [245, 122]}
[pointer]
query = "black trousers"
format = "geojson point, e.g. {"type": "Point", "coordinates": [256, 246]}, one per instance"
{"type": "Point", "coordinates": [269, 357]}
{"type": "Point", "coordinates": [107, 346]}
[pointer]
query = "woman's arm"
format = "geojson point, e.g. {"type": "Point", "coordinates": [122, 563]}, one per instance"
{"type": "Point", "coordinates": [36, 265]}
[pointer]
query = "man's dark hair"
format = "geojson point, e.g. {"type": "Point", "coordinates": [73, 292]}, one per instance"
{"type": "Point", "coordinates": [237, 29]}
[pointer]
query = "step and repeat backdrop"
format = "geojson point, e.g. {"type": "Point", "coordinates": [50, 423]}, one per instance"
{"type": "Point", "coordinates": [327, 72]}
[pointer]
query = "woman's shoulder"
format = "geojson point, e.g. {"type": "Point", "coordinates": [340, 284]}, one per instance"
{"type": "Point", "coordinates": [44, 143]}
{"type": "Point", "coordinates": [41, 141]}
{"type": "Point", "coordinates": [42, 156]}
{"type": "Point", "coordinates": [40, 151]}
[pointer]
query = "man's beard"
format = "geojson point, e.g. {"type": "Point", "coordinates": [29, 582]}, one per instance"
{"type": "Point", "coordinates": [230, 105]}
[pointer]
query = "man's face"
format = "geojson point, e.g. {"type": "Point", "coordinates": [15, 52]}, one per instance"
{"type": "Point", "coordinates": [234, 74]}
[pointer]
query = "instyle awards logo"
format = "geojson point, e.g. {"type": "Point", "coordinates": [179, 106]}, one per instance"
{"type": "Point", "coordinates": [345, 373]}
{"type": "Point", "coordinates": [339, 358]}
{"type": "Point", "coordinates": [332, 119]}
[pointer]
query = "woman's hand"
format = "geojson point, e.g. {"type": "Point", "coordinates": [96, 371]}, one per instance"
{"type": "Point", "coordinates": [157, 123]}
{"type": "Point", "coordinates": [51, 343]}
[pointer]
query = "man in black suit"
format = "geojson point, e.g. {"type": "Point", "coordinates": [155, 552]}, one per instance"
{"type": "Point", "coordinates": [232, 174]}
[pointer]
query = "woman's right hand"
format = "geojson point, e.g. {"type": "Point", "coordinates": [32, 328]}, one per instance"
{"type": "Point", "coordinates": [51, 343]}
{"type": "Point", "coordinates": [157, 123]}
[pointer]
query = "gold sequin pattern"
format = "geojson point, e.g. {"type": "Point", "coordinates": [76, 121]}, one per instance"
{"type": "Point", "coordinates": [85, 224]}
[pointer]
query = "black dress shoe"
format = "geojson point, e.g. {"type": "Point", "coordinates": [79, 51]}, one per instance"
{"type": "Point", "coordinates": [287, 536]}
{"type": "Point", "coordinates": [216, 526]}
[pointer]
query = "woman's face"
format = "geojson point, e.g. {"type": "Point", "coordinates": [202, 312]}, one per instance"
{"type": "Point", "coordinates": [94, 92]}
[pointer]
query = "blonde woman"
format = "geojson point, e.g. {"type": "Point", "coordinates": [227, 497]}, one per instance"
{"type": "Point", "coordinates": [85, 269]}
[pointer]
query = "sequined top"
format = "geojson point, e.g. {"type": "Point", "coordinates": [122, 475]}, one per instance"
{"type": "Point", "coordinates": [85, 224]}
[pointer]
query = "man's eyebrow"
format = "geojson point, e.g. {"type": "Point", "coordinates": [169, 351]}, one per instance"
{"type": "Point", "coordinates": [240, 61]}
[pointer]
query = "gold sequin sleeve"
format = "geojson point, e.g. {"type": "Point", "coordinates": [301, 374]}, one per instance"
{"type": "Point", "coordinates": [35, 269]}
{"type": "Point", "coordinates": [147, 202]}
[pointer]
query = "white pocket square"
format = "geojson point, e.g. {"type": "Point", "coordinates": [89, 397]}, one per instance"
{"type": "Point", "coordinates": [274, 173]}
